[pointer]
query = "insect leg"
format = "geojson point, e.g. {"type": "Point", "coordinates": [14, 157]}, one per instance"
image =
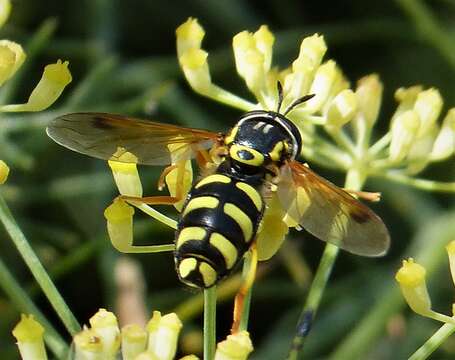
{"type": "Point", "coordinates": [365, 195]}
{"type": "Point", "coordinates": [239, 302]}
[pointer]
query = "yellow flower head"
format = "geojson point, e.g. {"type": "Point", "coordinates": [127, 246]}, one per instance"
{"type": "Point", "coordinates": [29, 335]}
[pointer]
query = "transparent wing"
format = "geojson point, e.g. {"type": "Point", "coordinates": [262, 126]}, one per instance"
{"type": "Point", "coordinates": [330, 213]}
{"type": "Point", "coordinates": [108, 136]}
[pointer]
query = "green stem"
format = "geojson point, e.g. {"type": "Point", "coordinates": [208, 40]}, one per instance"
{"type": "Point", "coordinates": [423, 184]}
{"type": "Point", "coordinates": [23, 303]}
{"type": "Point", "coordinates": [433, 342]}
{"type": "Point", "coordinates": [209, 323]}
{"type": "Point", "coordinates": [219, 94]}
{"type": "Point", "coordinates": [155, 214]}
{"type": "Point", "coordinates": [37, 269]}
{"type": "Point", "coordinates": [354, 181]}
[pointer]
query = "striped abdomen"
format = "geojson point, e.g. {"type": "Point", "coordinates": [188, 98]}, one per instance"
{"type": "Point", "coordinates": [218, 224]}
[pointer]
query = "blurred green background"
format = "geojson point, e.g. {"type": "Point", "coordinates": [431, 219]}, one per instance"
{"type": "Point", "coordinates": [122, 57]}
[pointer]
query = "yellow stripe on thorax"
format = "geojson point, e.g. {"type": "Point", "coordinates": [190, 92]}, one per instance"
{"type": "Point", "coordinates": [201, 202]}
{"type": "Point", "coordinates": [186, 266]}
{"type": "Point", "coordinates": [241, 219]}
{"type": "Point", "coordinates": [230, 138]}
{"type": "Point", "coordinates": [225, 247]}
{"type": "Point", "coordinates": [275, 154]}
{"type": "Point", "coordinates": [212, 179]}
{"type": "Point", "coordinates": [208, 274]}
{"type": "Point", "coordinates": [257, 159]}
{"type": "Point", "coordinates": [190, 233]}
{"type": "Point", "coordinates": [252, 193]}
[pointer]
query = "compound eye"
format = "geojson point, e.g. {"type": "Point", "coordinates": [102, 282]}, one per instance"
{"type": "Point", "coordinates": [245, 155]}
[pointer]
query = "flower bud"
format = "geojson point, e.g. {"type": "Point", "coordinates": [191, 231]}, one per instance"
{"type": "Point", "coordinates": [321, 86]}
{"type": "Point", "coordinates": [451, 253]}
{"type": "Point", "coordinates": [125, 173]}
{"type": "Point", "coordinates": [5, 10]}
{"type": "Point", "coordinates": [29, 335]}
{"type": "Point", "coordinates": [428, 106]}
{"type": "Point", "coordinates": [404, 131]}
{"type": "Point", "coordinates": [12, 56]}
{"type": "Point", "coordinates": [88, 346]}
{"type": "Point", "coordinates": [196, 70]}
{"type": "Point", "coordinates": [54, 80]}
{"type": "Point", "coordinates": [411, 278]}
{"type": "Point", "coordinates": [406, 98]}
{"type": "Point", "coordinates": [134, 341]}
{"type": "Point", "coordinates": [369, 96]}
{"type": "Point", "coordinates": [4, 172]}
{"type": "Point", "coordinates": [119, 216]}
{"type": "Point", "coordinates": [236, 347]}
{"type": "Point", "coordinates": [264, 43]}
{"type": "Point", "coordinates": [163, 335]}
{"type": "Point", "coordinates": [444, 145]}
{"type": "Point", "coordinates": [312, 50]}
{"type": "Point", "coordinates": [342, 109]}
{"type": "Point", "coordinates": [249, 61]}
{"type": "Point", "coordinates": [105, 324]}
{"type": "Point", "coordinates": [189, 36]}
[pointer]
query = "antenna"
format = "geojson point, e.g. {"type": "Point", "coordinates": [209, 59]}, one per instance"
{"type": "Point", "coordinates": [280, 95]}
{"type": "Point", "coordinates": [298, 102]}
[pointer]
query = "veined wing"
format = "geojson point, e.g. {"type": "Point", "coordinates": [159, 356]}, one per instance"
{"type": "Point", "coordinates": [108, 136]}
{"type": "Point", "coordinates": [330, 213]}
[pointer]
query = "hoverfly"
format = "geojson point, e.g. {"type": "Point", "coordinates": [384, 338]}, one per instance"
{"type": "Point", "coordinates": [223, 210]}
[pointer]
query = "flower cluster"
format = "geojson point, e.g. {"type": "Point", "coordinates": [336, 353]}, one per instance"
{"type": "Point", "coordinates": [411, 278]}
{"type": "Point", "coordinates": [52, 83]}
{"type": "Point", "coordinates": [104, 340]}
{"type": "Point", "coordinates": [346, 115]}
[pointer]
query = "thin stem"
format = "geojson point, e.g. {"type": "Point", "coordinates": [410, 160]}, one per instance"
{"type": "Point", "coordinates": [219, 94]}
{"type": "Point", "coordinates": [433, 342]}
{"type": "Point", "coordinates": [354, 181]}
{"type": "Point", "coordinates": [37, 269]}
{"type": "Point", "coordinates": [209, 323]}
{"type": "Point", "coordinates": [340, 137]}
{"type": "Point", "coordinates": [23, 303]}
{"type": "Point", "coordinates": [155, 214]}
{"type": "Point", "coordinates": [380, 145]}
{"type": "Point", "coordinates": [423, 184]}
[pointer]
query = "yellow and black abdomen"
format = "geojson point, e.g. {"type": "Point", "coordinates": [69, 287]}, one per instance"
{"type": "Point", "coordinates": [218, 224]}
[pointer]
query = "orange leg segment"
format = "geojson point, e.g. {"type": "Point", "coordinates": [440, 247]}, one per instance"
{"type": "Point", "coordinates": [239, 302]}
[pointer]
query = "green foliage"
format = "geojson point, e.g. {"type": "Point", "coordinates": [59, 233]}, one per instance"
{"type": "Point", "coordinates": [122, 57]}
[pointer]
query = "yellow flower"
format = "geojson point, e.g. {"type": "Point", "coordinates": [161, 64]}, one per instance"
{"type": "Point", "coordinates": [11, 58]}
{"type": "Point", "coordinates": [5, 10]}
{"type": "Point", "coordinates": [134, 341]}
{"type": "Point", "coordinates": [4, 172]}
{"type": "Point", "coordinates": [125, 174]}
{"type": "Point", "coordinates": [119, 216]}
{"type": "Point", "coordinates": [29, 335]}
{"type": "Point", "coordinates": [105, 324]}
{"type": "Point", "coordinates": [451, 253]}
{"type": "Point", "coordinates": [54, 79]}
{"type": "Point", "coordinates": [163, 332]}
{"type": "Point", "coordinates": [236, 347]}
{"type": "Point", "coordinates": [88, 345]}
{"type": "Point", "coordinates": [411, 278]}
